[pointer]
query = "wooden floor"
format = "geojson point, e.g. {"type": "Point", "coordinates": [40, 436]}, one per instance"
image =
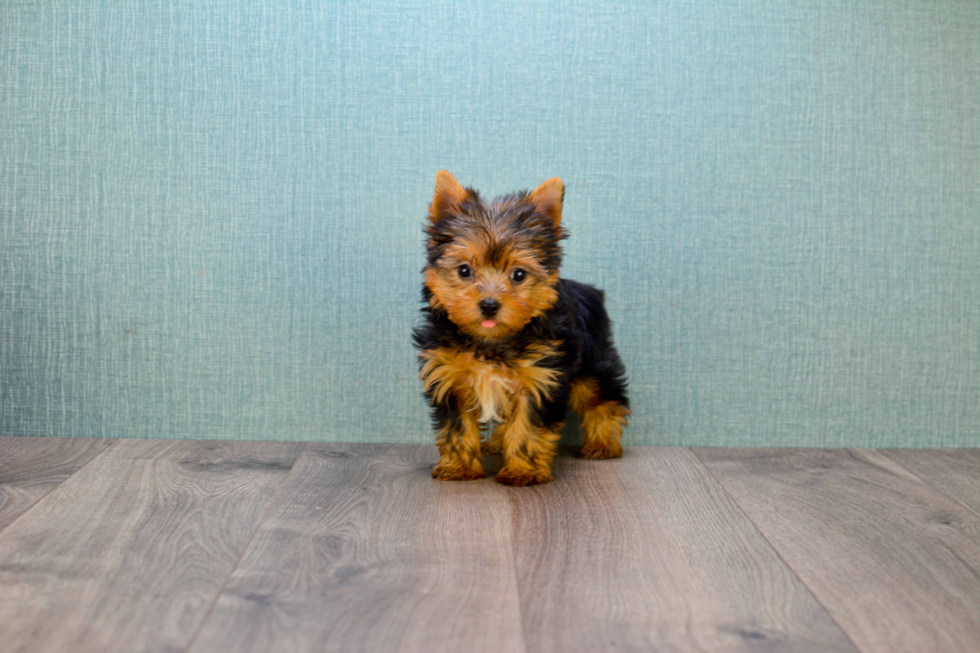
{"type": "Point", "coordinates": [136, 545]}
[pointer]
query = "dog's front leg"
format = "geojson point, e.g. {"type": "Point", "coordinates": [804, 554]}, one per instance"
{"type": "Point", "coordinates": [528, 449]}
{"type": "Point", "coordinates": [458, 439]}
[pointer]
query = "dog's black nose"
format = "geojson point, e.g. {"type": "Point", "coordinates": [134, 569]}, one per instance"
{"type": "Point", "coordinates": [489, 307]}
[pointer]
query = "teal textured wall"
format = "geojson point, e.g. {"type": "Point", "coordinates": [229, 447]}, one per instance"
{"type": "Point", "coordinates": [210, 211]}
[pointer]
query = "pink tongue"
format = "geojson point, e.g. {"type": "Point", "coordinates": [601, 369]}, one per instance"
{"type": "Point", "coordinates": [488, 324]}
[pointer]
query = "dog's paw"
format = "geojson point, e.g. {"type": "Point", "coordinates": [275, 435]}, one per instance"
{"type": "Point", "coordinates": [456, 473]}
{"type": "Point", "coordinates": [600, 452]}
{"type": "Point", "coordinates": [520, 478]}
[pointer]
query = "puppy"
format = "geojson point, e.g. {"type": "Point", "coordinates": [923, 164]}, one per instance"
{"type": "Point", "coordinates": [506, 342]}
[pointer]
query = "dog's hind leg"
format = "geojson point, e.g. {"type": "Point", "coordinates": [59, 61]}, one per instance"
{"type": "Point", "coordinates": [603, 420]}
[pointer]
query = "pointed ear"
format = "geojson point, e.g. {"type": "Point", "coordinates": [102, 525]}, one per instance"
{"type": "Point", "coordinates": [448, 195]}
{"type": "Point", "coordinates": [547, 198]}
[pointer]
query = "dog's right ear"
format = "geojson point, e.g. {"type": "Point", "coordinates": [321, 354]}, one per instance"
{"type": "Point", "coordinates": [548, 198]}
{"type": "Point", "coordinates": [449, 194]}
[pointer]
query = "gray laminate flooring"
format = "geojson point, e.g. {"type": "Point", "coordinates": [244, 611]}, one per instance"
{"type": "Point", "coordinates": [139, 545]}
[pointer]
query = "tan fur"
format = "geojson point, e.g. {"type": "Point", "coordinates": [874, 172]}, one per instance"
{"type": "Point", "coordinates": [505, 393]}
{"type": "Point", "coordinates": [448, 193]}
{"type": "Point", "coordinates": [582, 395]}
{"type": "Point", "coordinates": [602, 421]}
{"type": "Point", "coordinates": [487, 387]}
{"type": "Point", "coordinates": [459, 451]}
{"type": "Point", "coordinates": [548, 198]}
{"type": "Point", "coordinates": [528, 450]}
{"type": "Point", "coordinates": [519, 303]}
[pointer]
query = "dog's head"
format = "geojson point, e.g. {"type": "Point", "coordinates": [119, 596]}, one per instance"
{"type": "Point", "coordinates": [493, 266]}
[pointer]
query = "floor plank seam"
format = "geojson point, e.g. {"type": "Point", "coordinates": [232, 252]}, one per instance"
{"type": "Point", "coordinates": [231, 572]}
{"type": "Point", "coordinates": [778, 553]}
{"type": "Point", "coordinates": [941, 491]}
{"type": "Point", "coordinates": [58, 487]}
{"type": "Point", "coordinates": [517, 581]}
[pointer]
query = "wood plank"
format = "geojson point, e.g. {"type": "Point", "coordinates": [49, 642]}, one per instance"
{"type": "Point", "coordinates": [954, 472]}
{"type": "Point", "coordinates": [32, 467]}
{"type": "Point", "coordinates": [895, 562]}
{"type": "Point", "coordinates": [127, 554]}
{"type": "Point", "coordinates": [648, 553]}
{"type": "Point", "coordinates": [363, 551]}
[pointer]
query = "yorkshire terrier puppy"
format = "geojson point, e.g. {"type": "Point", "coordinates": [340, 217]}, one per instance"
{"type": "Point", "coordinates": [505, 340]}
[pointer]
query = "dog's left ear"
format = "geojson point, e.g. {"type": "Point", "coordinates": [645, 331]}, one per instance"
{"type": "Point", "coordinates": [449, 194]}
{"type": "Point", "coordinates": [547, 198]}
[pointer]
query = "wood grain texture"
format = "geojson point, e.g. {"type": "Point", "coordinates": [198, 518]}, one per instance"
{"type": "Point", "coordinates": [127, 554]}
{"type": "Point", "coordinates": [648, 553]}
{"type": "Point", "coordinates": [32, 467]}
{"type": "Point", "coordinates": [363, 551]}
{"type": "Point", "coordinates": [896, 562]}
{"type": "Point", "coordinates": [954, 472]}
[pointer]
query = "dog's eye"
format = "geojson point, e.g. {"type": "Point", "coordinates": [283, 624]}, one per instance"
{"type": "Point", "coordinates": [518, 275]}
{"type": "Point", "coordinates": [464, 271]}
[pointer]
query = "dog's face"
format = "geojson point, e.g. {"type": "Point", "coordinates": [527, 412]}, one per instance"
{"type": "Point", "coordinates": [493, 267]}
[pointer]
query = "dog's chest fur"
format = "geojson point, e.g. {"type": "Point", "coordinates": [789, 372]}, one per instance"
{"type": "Point", "coordinates": [485, 385]}
{"type": "Point", "coordinates": [492, 385]}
